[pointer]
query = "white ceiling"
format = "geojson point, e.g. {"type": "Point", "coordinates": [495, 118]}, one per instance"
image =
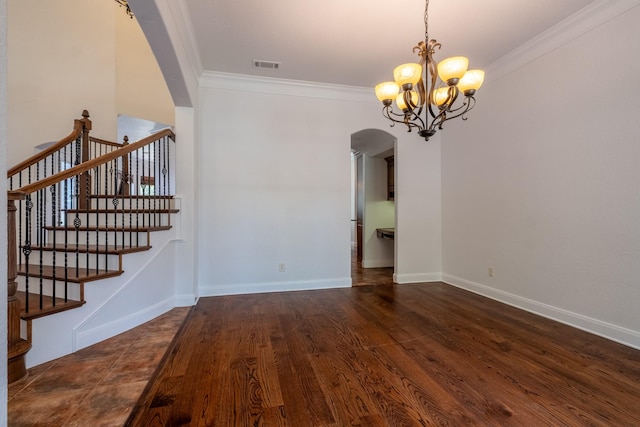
{"type": "Point", "coordinates": [358, 42]}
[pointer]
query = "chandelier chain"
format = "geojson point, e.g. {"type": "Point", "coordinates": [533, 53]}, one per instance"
{"type": "Point", "coordinates": [426, 21]}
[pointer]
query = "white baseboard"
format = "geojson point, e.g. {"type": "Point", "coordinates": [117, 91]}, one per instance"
{"type": "Point", "coordinates": [610, 331]}
{"type": "Point", "coordinates": [89, 337]}
{"type": "Point", "coordinates": [255, 288]}
{"type": "Point", "coordinates": [417, 278]}
{"type": "Point", "coordinates": [185, 300]}
{"type": "Point", "coordinates": [377, 263]}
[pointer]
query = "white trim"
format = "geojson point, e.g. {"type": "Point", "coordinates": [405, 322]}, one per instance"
{"type": "Point", "coordinates": [255, 288]}
{"type": "Point", "coordinates": [586, 19]}
{"type": "Point", "coordinates": [177, 218]}
{"type": "Point", "coordinates": [242, 82]}
{"type": "Point", "coordinates": [377, 263]}
{"type": "Point", "coordinates": [610, 331]}
{"type": "Point", "coordinates": [185, 300]}
{"type": "Point", "coordinates": [105, 331]}
{"type": "Point", "coordinates": [416, 278]}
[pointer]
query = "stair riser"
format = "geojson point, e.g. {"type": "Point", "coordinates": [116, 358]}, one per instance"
{"type": "Point", "coordinates": [102, 261]}
{"type": "Point", "coordinates": [110, 238]}
{"type": "Point", "coordinates": [118, 219]}
{"type": "Point", "coordinates": [73, 289]}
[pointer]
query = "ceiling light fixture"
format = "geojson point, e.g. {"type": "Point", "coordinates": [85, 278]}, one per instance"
{"type": "Point", "coordinates": [128, 10]}
{"type": "Point", "coordinates": [409, 90]}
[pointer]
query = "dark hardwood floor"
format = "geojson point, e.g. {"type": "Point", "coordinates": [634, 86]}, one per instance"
{"type": "Point", "coordinates": [424, 354]}
{"type": "Point", "coordinates": [369, 276]}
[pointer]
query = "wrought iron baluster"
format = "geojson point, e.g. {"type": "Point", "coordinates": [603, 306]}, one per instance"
{"type": "Point", "coordinates": [147, 214]}
{"type": "Point", "coordinates": [40, 216]}
{"type": "Point", "coordinates": [20, 220]}
{"type": "Point", "coordinates": [106, 214]}
{"type": "Point", "coordinates": [129, 181]}
{"type": "Point", "coordinates": [26, 248]}
{"type": "Point", "coordinates": [65, 186]}
{"type": "Point", "coordinates": [55, 232]}
{"type": "Point", "coordinates": [97, 215]}
{"type": "Point", "coordinates": [77, 221]}
{"type": "Point", "coordinates": [138, 195]}
{"type": "Point", "coordinates": [87, 214]}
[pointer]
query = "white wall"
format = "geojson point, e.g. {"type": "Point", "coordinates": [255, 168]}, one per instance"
{"type": "Point", "coordinates": [418, 210]}
{"type": "Point", "coordinates": [140, 87]}
{"type": "Point", "coordinates": [3, 202]}
{"type": "Point", "coordinates": [274, 185]}
{"type": "Point", "coordinates": [66, 56]}
{"type": "Point", "coordinates": [67, 65]}
{"type": "Point", "coordinates": [185, 222]}
{"type": "Point", "coordinates": [541, 183]}
{"type": "Point", "coordinates": [378, 213]}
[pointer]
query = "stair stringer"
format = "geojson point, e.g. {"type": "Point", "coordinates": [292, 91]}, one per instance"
{"type": "Point", "coordinates": [144, 291]}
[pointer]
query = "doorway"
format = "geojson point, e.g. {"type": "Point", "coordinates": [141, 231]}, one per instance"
{"type": "Point", "coordinates": [372, 208]}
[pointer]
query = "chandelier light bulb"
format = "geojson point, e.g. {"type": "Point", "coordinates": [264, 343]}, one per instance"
{"type": "Point", "coordinates": [387, 91]}
{"type": "Point", "coordinates": [471, 81]}
{"type": "Point", "coordinates": [452, 68]}
{"type": "Point", "coordinates": [407, 74]}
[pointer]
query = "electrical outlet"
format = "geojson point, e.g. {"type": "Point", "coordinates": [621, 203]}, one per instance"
{"type": "Point", "coordinates": [282, 268]}
{"type": "Point", "coordinates": [490, 271]}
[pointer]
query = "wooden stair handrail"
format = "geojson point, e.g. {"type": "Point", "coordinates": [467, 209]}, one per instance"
{"type": "Point", "coordinates": [86, 166]}
{"type": "Point", "coordinates": [104, 142]}
{"type": "Point", "coordinates": [79, 125]}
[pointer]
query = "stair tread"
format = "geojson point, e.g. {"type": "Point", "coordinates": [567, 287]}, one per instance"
{"type": "Point", "coordinates": [92, 249]}
{"type": "Point", "coordinates": [49, 305]}
{"type": "Point", "coordinates": [58, 273]}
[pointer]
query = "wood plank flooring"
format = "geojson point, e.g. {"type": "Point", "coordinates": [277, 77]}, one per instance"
{"type": "Point", "coordinates": [425, 354]}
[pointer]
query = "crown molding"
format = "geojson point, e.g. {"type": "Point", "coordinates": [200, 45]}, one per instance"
{"type": "Point", "coordinates": [581, 22]}
{"type": "Point", "coordinates": [243, 82]}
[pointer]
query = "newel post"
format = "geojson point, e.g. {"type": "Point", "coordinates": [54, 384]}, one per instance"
{"type": "Point", "coordinates": [17, 347]}
{"type": "Point", "coordinates": [84, 181]}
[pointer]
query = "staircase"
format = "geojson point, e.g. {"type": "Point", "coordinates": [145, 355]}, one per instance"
{"type": "Point", "coordinates": [77, 209]}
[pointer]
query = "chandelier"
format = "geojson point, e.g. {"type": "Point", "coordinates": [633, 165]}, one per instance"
{"type": "Point", "coordinates": [414, 92]}
{"type": "Point", "coordinates": [126, 5]}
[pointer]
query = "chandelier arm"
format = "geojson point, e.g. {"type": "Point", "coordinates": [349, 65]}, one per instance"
{"type": "Point", "coordinates": [431, 73]}
{"type": "Point", "coordinates": [467, 106]}
{"type": "Point", "coordinates": [415, 121]}
{"type": "Point", "coordinates": [422, 94]}
{"type": "Point", "coordinates": [388, 112]}
{"type": "Point", "coordinates": [451, 100]}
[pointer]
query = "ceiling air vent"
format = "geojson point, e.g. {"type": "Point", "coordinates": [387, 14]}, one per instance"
{"type": "Point", "coordinates": [258, 63]}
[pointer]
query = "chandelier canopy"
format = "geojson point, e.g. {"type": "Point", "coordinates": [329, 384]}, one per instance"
{"type": "Point", "coordinates": [416, 88]}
